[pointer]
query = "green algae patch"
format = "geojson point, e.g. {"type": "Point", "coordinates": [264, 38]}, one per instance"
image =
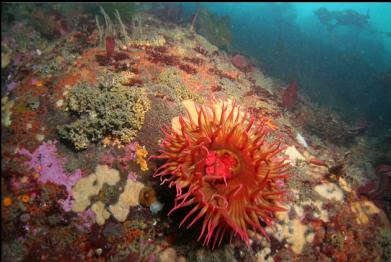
{"type": "Point", "coordinates": [104, 111]}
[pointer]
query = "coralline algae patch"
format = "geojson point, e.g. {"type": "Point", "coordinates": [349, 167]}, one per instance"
{"type": "Point", "coordinates": [50, 168]}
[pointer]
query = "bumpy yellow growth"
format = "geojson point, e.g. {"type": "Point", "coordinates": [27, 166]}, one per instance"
{"type": "Point", "coordinates": [141, 153]}
{"type": "Point", "coordinates": [129, 198]}
{"type": "Point", "coordinates": [101, 213]}
{"type": "Point", "coordinates": [89, 186]}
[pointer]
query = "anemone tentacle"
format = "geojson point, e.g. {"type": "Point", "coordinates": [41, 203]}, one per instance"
{"type": "Point", "coordinates": [223, 167]}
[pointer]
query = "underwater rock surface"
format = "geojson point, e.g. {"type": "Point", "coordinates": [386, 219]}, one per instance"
{"type": "Point", "coordinates": [86, 134]}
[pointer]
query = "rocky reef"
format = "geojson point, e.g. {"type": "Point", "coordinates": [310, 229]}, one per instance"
{"type": "Point", "coordinates": [99, 144]}
{"type": "Point", "coordinates": [215, 28]}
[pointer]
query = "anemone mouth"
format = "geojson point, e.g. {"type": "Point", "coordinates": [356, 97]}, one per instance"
{"type": "Point", "coordinates": [221, 165]}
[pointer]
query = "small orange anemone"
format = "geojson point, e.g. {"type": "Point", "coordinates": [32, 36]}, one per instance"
{"type": "Point", "coordinates": [7, 201]}
{"type": "Point", "coordinates": [25, 198]}
{"type": "Point", "coordinates": [223, 167]}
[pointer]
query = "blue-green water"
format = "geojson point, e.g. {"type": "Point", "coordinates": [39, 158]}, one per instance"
{"type": "Point", "coordinates": [347, 68]}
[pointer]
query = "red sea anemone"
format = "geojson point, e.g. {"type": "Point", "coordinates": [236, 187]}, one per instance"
{"type": "Point", "coordinates": [241, 62]}
{"type": "Point", "coordinates": [289, 96]}
{"type": "Point", "coordinates": [224, 168]}
{"type": "Point", "coordinates": [110, 46]}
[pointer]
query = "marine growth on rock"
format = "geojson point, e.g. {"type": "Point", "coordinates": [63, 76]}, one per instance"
{"type": "Point", "coordinates": [105, 110]}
